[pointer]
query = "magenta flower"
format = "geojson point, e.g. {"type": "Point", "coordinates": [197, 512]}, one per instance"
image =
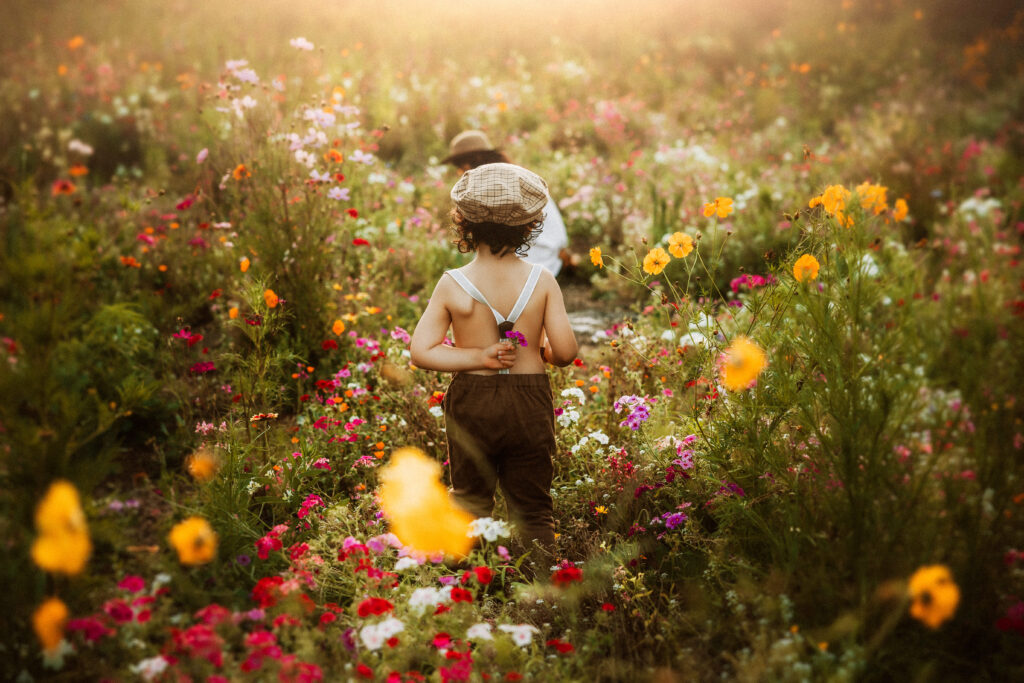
{"type": "Point", "coordinates": [516, 337]}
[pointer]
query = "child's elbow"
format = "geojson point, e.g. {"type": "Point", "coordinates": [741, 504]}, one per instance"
{"type": "Point", "coordinates": [562, 356]}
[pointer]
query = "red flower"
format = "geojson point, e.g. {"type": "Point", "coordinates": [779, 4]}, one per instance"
{"type": "Point", "coordinates": [513, 676]}
{"type": "Point", "coordinates": [607, 607]}
{"type": "Point", "coordinates": [62, 187]}
{"type": "Point", "coordinates": [560, 645]}
{"type": "Point", "coordinates": [266, 591]}
{"type": "Point", "coordinates": [360, 242]}
{"type": "Point", "coordinates": [441, 640]}
{"type": "Point", "coordinates": [329, 345]}
{"type": "Point", "coordinates": [132, 583]}
{"type": "Point", "coordinates": [374, 606]}
{"type": "Point", "coordinates": [364, 671]}
{"type": "Point", "coordinates": [483, 574]}
{"type": "Point", "coordinates": [352, 212]}
{"type": "Point", "coordinates": [566, 575]}
{"type": "Point", "coordinates": [327, 618]}
{"type": "Point", "coordinates": [461, 595]}
{"type": "Point", "coordinates": [215, 293]}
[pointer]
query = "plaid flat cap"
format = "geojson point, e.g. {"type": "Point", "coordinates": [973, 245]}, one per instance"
{"type": "Point", "coordinates": [500, 193]}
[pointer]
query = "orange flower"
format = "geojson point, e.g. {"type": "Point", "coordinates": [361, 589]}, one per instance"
{"type": "Point", "coordinates": [243, 265]}
{"type": "Point", "coordinates": [195, 541]}
{"type": "Point", "coordinates": [78, 170]}
{"type": "Point", "coordinates": [596, 258]}
{"type": "Point", "coordinates": [63, 543]}
{"type": "Point", "coordinates": [130, 262]}
{"type": "Point", "coordinates": [872, 197]}
{"type": "Point", "coordinates": [741, 364]}
{"type": "Point", "coordinates": [48, 623]}
{"type": "Point", "coordinates": [271, 298]}
{"type": "Point", "coordinates": [203, 465]}
{"type": "Point", "coordinates": [656, 260]}
{"type": "Point", "coordinates": [805, 268]}
{"type": "Point", "coordinates": [241, 172]}
{"type": "Point", "coordinates": [900, 210]}
{"type": "Point", "coordinates": [233, 312]}
{"type": "Point", "coordinates": [62, 186]}
{"type": "Point", "coordinates": [338, 327]}
{"type": "Point", "coordinates": [934, 595]}
{"type": "Point", "coordinates": [334, 156]}
{"type": "Point", "coordinates": [76, 42]}
{"type": "Point", "coordinates": [833, 199]}
{"type": "Point", "coordinates": [722, 206]}
{"type": "Point", "coordinates": [680, 244]}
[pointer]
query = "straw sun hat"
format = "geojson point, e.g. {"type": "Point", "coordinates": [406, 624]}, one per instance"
{"type": "Point", "coordinates": [466, 142]}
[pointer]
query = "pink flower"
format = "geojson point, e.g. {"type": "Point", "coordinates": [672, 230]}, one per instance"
{"type": "Point", "coordinates": [132, 583]}
{"type": "Point", "coordinates": [201, 157]}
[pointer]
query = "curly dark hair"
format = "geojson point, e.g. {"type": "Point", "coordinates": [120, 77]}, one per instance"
{"type": "Point", "coordinates": [499, 237]}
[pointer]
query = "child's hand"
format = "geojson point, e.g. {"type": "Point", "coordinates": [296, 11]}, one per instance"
{"type": "Point", "coordinates": [500, 356]}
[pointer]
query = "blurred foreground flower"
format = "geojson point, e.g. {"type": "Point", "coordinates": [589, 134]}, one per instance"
{"type": "Point", "coordinates": [806, 268]}
{"type": "Point", "coordinates": [203, 465]}
{"type": "Point", "coordinates": [63, 544]}
{"type": "Point", "coordinates": [48, 623]}
{"type": "Point", "coordinates": [596, 258]}
{"type": "Point", "coordinates": [421, 513]}
{"type": "Point", "coordinates": [195, 541]}
{"type": "Point", "coordinates": [741, 363]}
{"type": "Point", "coordinates": [656, 260]}
{"type": "Point", "coordinates": [934, 595]}
{"type": "Point", "coordinates": [271, 298]}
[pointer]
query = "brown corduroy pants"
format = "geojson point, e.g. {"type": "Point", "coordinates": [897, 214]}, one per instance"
{"type": "Point", "coordinates": [501, 431]}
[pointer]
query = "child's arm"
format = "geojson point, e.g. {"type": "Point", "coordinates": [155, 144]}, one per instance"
{"type": "Point", "coordinates": [428, 350]}
{"type": "Point", "coordinates": [560, 347]}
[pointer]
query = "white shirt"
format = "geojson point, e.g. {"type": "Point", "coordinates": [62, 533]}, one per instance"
{"type": "Point", "coordinates": [551, 240]}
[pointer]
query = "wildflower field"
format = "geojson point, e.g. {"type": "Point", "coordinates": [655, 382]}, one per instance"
{"type": "Point", "coordinates": [790, 450]}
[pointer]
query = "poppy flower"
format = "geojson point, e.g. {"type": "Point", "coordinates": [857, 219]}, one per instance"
{"type": "Point", "coordinates": [62, 186]}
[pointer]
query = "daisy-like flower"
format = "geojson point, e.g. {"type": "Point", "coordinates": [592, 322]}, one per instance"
{"type": "Point", "coordinates": [481, 631]}
{"type": "Point", "coordinates": [722, 207]}
{"type": "Point", "coordinates": [805, 268]}
{"type": "Point", "coordinates": [656, 260]}
{"type": "Point", "coordinates": [934, 595]}
{"type": "Point", "coordinates": [596, 258]}
{"type": "Point", "coordinates": [300, 44]}
{"type": "Point", "coordinates": [338, 193]}
{"type": "Point", "coordinates": [741, 364]}
{"type": "Point", "coordinates": [490, 529]}
{"type": "Point", "coordinates": [680, 244]}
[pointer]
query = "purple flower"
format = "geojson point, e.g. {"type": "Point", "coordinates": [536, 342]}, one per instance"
{"type": "Point", "coordinates": [673, 519]}
{"type": "Point", "coordinates": [339, 193]}
{"type": "Point", "coordinates": [243, 560]}
{"type": "Point", "coordinates": [516, 337]}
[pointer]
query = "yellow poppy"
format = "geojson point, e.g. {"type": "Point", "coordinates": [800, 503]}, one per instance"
{"type": "Point", "coordinates": [63, 543]}
{"type": "Point", "coordinates": [656, 260]}
{"type": "Point", "coordinates": [680, 244]}
{"type": "Point", "coordinates": [195, 541]}
{"type": "Point", "coordinates": [933, 594]}
{"type": "Point", "coordinates": [596, 258]}
{"type": "Point", "coordinates": [417, 504]}
{"type": "Point", "coordinates": [48, 623]}
{"type": "Point", "coordinates": [805, 268]}
{"type": "Point", "coordinates": [741, 364]}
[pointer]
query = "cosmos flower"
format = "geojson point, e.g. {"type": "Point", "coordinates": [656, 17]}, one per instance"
{"type": "Point", "coordinates": [741, 364]}
{"type": "Point", "coordinates": [722, 207]}
{"type": "Point", "coordinates": [934, 595]}
{"type": "Point", "coordinates": [656, 260]}
{"type": "Point", "coordinates": [596, 258]}
{"type": "Point", "coordinates": [680, 244]}
{"type": "Point", "coordinates": [195, 541]}
{"type": "Point", "coordinates": [63, 544]}
{"type": "Point", "coordinates": [805, 268]}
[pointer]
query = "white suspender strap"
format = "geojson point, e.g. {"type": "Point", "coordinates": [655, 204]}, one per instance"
{"type": "Point", "coordinates": [471, 289]}
{"type": "Point", "coordinates": [524, 296]}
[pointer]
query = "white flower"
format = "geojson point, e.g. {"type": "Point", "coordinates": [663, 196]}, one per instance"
{"type": "Point", "coordinates": [307, 159]}
{"type": "Point", "coordinates": [324, 177]}
{"type": "Point", "coordinates": [371, 636]}
{"type": "Point", "coordinates": [522, 634]}
{"type": "Point", "coordinates": [391, 627]}
{"type": "Point", "coordinates": [360, 157]}
{"type": "Point", "coordinates": [405, 563]}
{"type": "Point", "coordinates": [150, 668]}
{"type": "Point", "coordinates": [568, 417]}
{"type": "Point", "coordinates": [574, 392]}
{"type": "Point", "coordinates": [600, 437]}
{"type": "Point", "coordinates": [77, 145]}
{"type": "Point", "coordinates": [424, 598]}
{"type": "Point", "coordinates": [247, 76]}
{"type": "Point", "coordinates": [320, 117]}
{"type": "Point", "coordinates": [436, 411]}
{"type": "Point", "coordinates": [490, 529]}
{"type": "Point", "coordinates": [480, 631]}
{"type": "Point", "coordinates": [300, 44]}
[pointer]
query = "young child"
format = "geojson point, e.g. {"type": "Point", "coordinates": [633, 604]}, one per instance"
{"type": "Point", "coordinates": [498, 409]}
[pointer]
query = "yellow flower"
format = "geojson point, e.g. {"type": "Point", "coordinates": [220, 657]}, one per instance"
{"type": "Point", "coordinates": [872, 197]}
{"type": "Point", "coordinates": [596, 258]}
{"type": "Point", "coordinates": [900, 210]}
{"type": "Point", "coordinates": [338, 327]}
{"type": "Point", "coordinates": [805, 268]}
{"type": "Point", "coordinates": [243, 265]}
{"type": "Point", "coordinates": [48, 623]}
{"type": "Point", "coordinates": [933, 594]}
{"type": "Point", "coordinates": [417, 504]}
{"type": "Point", "coordinates": [601, 510]}
{"type": "Point", "coordinates": [656, 260]}
{"type": "Point", "coordinates": [271, 298]}
{"type": "Point", "coordinates": [741, 364]}
{"type": "Point", "coordinates": [203, 465]}
{"type": "Point", "coordinates": [195, 541]}
{"type": "Point", "coordinates": [833, 199]}
{"type": "Point", "coordinates": [63, 544]}
{"type": "Point", "coordinates": [680, 244]}
{"type": "Point", "coordinates": [721, 206]}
